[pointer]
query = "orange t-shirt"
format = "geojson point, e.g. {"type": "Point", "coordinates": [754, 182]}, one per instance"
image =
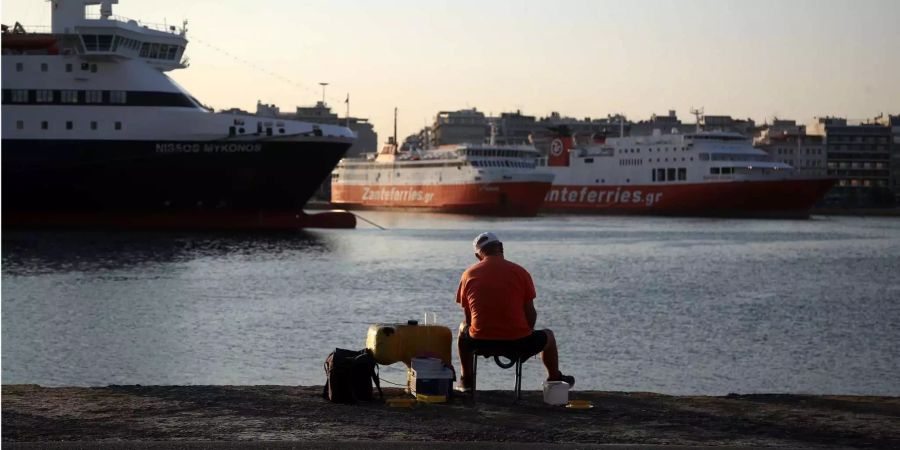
{"type": "Point", "coordinates": [495, 292]}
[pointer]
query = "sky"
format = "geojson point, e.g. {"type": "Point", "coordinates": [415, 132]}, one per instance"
{"type": "Point", "coordinates": [795, 59]}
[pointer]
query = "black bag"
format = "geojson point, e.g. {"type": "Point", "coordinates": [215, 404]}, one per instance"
{"type": "Point", "coordinates": [349, 375]}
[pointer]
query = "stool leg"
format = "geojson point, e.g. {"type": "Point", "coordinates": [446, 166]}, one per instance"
{"type": "Point", "coordinates": [518, 379]}
{"type": "Point", "coordinates": [474, 374]}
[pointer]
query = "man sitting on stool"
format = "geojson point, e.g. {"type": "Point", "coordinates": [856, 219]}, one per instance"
{"type": "Point", "coordinates": [497, 297]}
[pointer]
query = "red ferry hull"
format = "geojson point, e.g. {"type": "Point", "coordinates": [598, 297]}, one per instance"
{"type": "Point", "coordinates": [498, 199]}
{"type": "Point", "coordinates": [782, 198]}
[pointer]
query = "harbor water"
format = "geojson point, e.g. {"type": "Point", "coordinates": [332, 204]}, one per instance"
{"type": "Point", "coordinates": [670, 305]}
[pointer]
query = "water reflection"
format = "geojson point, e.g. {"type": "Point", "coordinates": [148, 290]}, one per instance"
{"type": "Point", "coordinates": [43, 252]}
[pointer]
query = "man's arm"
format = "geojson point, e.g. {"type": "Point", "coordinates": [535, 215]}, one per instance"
{"type": "Point", "coordinates": [530, 313]}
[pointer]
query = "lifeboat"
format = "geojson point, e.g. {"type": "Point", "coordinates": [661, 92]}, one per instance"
{"type": "Point", "coordinates": [18, 39]}
{"type": "Point", "coordinates": [28, 41]}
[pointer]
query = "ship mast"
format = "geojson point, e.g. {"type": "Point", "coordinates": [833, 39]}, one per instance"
{"type": "Point", "coordinates": [698, 113]}
{"type": "Point", "coordinates": [395, 125]}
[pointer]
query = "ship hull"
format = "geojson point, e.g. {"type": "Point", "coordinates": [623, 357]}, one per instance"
{"type": "Point", "coordinates": [520, 198]}
{"type": "Point", "coordinates": [221, 184]}
{"type": "Point", "coordinates": [765, 199]}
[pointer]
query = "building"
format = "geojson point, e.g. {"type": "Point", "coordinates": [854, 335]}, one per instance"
{"type": "Point", "coordinates": [779, 127]}
{"type": "Point", "coordinates": [513, 128]}
{"type": "Point", "coordinates": [859, 156]}
{"type": "Point", "coordinates": [667, 124]}
{"type": "Point", "coordinates": [420, 140]}
{"type": "Point", "coordinates": [366, 138]}
{"type": "Point", "coordinates": [806, 153]}
{"type": "Point", "coordinates": [727, 123]}
{"type": "Point", "coordinates": [459, 127]}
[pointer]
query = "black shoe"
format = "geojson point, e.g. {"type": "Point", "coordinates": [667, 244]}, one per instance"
{"type": "Point", "coordinates": [565, 378]}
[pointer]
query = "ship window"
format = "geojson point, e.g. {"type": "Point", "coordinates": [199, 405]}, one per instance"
{"type": "Point", "coordinates": [19, 67]}
{"type": "Point", "coordinates": [44, 96]}
{"type": "Point", "coordinates": [69, 125]}
{"type": "Point", "coordinates": [68, 67]}
{"type": "Point", "coordinates": [163, 50]}
{"type": "Point", "coordinates": [588, 160]}
{"type": "Point", "coordinates": [154, 51]}
{"type": "Point", "coordinates": [670, 174]}
{"type": "Point", "coordinates": [43, 67]}
{"type": "Point", "coordinates": [713, 170]}
{"type": "Point", "coordinates": [653, 174]}
{"type": "Point", "coordinates": [682, 174]}
{"type": "Point", "coordinates": [69, 96]}
{"type": "Point", "coordinates": [45, 125]}
{"type": "Point", "coordinates": [20, 96]}
{"type": "Point", "coordinates": [104, 42]}
{"type": "Point", "coordinates": [90, 42]}
{"type": "Point", "coordinates": [118, 125]}
{"type": "Point", "coordinates": [173, 51]}
{"type": "Point", "coordinates": [704, 157]}
{"type": "Point", "coordinates": [93, 68]}
{"type": "Point", "coordinates": [93, 96]}
{"type": "Point", "coordinates": [660, 174]}
{"type": "Point", "coordinates": [117, 97]}
{"type": "Point", "coordinates": [93, 124]}
{"type": "Point", "coordinates": [20, 124]}
{"type": "Point", "coordinates": [727, 170]}
{"type": "Point", "coordinates": [145, 50]}
{"type": "Point", "coordinates": [85, 66]}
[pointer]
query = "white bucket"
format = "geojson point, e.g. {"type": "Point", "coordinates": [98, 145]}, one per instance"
{"type": "Point", "coordinates": [556, 392]}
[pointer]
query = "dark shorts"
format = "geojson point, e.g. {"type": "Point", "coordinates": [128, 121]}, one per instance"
{"type": "Point", "coordinates": [527, 346]}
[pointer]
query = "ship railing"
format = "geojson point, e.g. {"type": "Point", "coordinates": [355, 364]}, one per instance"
{"type": "Point", "coordinates": [163, 27]}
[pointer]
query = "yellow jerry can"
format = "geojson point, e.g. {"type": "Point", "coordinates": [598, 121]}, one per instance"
{"type": "Point", "coordinates": [394, 342]}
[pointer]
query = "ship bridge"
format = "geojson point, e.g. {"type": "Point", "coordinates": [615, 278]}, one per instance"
{"type": "Point", "coordinates": [104, 36]}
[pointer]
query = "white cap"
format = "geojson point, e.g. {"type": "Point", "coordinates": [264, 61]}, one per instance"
{"type": "Point", "coordinates": [484, 239]}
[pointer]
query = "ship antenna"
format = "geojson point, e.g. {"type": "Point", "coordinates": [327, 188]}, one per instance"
{"type": "Point", "coordinates": [697, 113]}
{"type": "Point", "coordinates": [493, 133]}
{"type": "Point", "coordinates": [621, 125]}
{"type": "Point", "coordinates": [323, 92]}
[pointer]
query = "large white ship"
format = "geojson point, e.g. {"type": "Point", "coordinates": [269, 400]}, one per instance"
{"type": "Point", "coordinates": [702, 173]}
{"type": "Point", "coordinates": [480, 179]}
{"type": "Point", "coordinates": [95, 133]}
